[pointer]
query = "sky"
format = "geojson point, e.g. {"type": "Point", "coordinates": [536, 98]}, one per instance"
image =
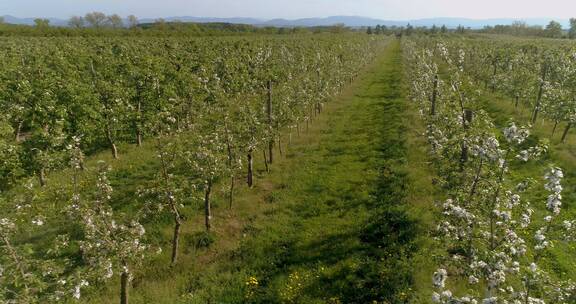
{"type": "Point", "coordinates": [292, 9]}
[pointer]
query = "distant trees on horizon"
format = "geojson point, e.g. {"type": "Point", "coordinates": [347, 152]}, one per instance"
{"type": "Point", "coordinates": [408, 30]}
{"type": "Point", "coordinates": [520, 28]}
{"type": "Point", "coordinates": [101, 20]}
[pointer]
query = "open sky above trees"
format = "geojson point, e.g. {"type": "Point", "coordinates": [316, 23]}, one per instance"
{"type": "Point", "coordinates": [388, 9]}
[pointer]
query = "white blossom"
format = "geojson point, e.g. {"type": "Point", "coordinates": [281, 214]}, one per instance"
{"type": "Point", "coordinates": [439, 278]}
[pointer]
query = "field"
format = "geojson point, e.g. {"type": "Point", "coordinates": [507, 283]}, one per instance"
{"type": "Point", "coordinates": [298, 168]}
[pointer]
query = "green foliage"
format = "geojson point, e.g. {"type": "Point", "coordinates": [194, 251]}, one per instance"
{"type": "Point", "coordinates": [553, 30]}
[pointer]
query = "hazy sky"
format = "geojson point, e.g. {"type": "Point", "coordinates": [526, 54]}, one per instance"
{"type": "Point", "coordinates": [385, 9]}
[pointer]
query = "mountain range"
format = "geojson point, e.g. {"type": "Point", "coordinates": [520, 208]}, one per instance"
{"type": "Point", "coordinates": [352, 21]}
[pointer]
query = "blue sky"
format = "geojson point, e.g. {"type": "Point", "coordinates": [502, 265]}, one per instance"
{"type": "Point", "coordinates": [266, 9]}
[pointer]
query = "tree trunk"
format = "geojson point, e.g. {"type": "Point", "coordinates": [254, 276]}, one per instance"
{"type": "Point", "coordinates": [464, 153]}
{"type": "Point", "coordinates": [539, 99]}
{"type": "Point", "coordinates": [566, 132]}
{"type": "Point", "coordinates": [19, 131]}
{"type": "Point", "coordinates": [230, 165]}
{"type": "Point", "coordinates": [434, 96]}
{"type": "Point", "coordinates": [112, 144]}
{"type": "Point", "coordinates": [468, 116]}
{"type": "Point", "coordinates": [516, 102]}
{"type": "Point", "coordinates": [250, 176]}
{"type": "Point", "coordinates": [266, 161]}
{"type": "Point", "coordinates": [270, 128]}
{"type": "Point", "coordinates": [42, 177]}
{"type": "Point", "coordinates": [270, 150]}
{"type": "Point", "coordinates": [176, 239]}
{"type": "Point", "coordinates": [280, 146]}
{"type": "Point", "coordinates": [231, 192]}
{"type": "Point", "coordinates": [138, 137]}
{"type": "Point", "coordinates": [207, 208]}
{"type": "Point", "coordinates": [494, 77]}
{"type": "Point", "coordinates": [114, 150]}
{"type": "Point", "coordinates": [536, 109]}
{"type": "Point", "coordinates": [554, 129]}
{"type": "Point", "coordinates": [138, 122]}
{"type": "Point", "coordinates": [124, 282]}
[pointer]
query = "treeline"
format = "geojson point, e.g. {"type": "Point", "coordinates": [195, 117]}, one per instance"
{"type": "Point", "coordinates": [98, 24]}
{"type": "Point", "coordinates": [519, 28]}
{"type": "Point", "coordinates": [409, 30]}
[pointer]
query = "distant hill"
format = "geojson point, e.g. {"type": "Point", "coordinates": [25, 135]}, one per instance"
{"type": "Point", "coordinates": [250, 21]}
{"type": "Point", "coordinates": [355, 21]}
{"type": "Point", "coordinates": [352, 21]}
{"type": "Point", "coordinates": [30, 21]}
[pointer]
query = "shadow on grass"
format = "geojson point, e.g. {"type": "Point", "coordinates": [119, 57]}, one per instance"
{"type": "Point", "coordinates": [362, 254]}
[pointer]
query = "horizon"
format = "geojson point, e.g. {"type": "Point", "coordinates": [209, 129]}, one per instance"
{"type": "Point", "coordinates": [299, 18]}
{"type": "Point", "coordinates": [392, 10]}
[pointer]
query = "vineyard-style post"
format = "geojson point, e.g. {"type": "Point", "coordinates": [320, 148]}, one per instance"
{"type": "Point", "coordinates": [139, 119]}
{"type": "Point", "coordinates": [176, 238]}
{"type": "Point", "coordinates": [540, 93]}
{"type": "Point", "coordinates": [319, 102]}
{"type": "Point", "coordinates": [494, 71]}
{"type": "Point", "coordinates": [434, 96]}
{"type": "Point", "coordinates": [230, 164]}
{"type": "Point", "coordinates": [269, 113]}
{"type": "Point", "coordinates": [124, 282]}
{"type": "Point", "coordinates": [468, 116]}
{"type": "Point", "coordinates": [250, 176]}
{"type": "Point", "coordinates": [231, 191]}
